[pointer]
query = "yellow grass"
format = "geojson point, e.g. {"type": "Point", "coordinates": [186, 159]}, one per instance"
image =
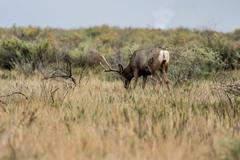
{"type": "Point", "coordinates": [99, 119]}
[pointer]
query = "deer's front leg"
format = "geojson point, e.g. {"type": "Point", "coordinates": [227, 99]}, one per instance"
{"type": "Point", "coordinates": [144, 81]}
{"type": "Point", "coordinates": [136, 78]}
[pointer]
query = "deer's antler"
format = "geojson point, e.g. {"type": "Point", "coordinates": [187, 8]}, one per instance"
{"type": "Point", "coordinates": [109, 69]}
{"type": "Point", "coordinates": [130, 51]}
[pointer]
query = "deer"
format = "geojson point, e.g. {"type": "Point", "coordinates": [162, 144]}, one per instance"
{"type": "Point", "coordinates": [142, 62]}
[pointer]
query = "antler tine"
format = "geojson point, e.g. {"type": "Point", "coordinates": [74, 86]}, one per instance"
{"type": "Point", "coordinates": [109, 69]}
{"type": "Point", "coordinates": [106, 62]}
{"type": "Point", "coordinates": [103, 66]}
{"type": "Point", "coordinates": [130, 51]}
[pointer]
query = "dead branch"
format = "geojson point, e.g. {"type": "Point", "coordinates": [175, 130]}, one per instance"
{"type": "Point", "coordinates": [233, 89]}
{"type": "Point", "coordinates": [229, 91]}
{"type": "Point", "coordinates": [81, 76]}
{"type": "Point", "coordinates": [2, 106]}
{"type": "Point", "coordinates": [60, 74]}
{"type": "Point", "coordinates": [53, 93]}
{"type": "Point", "coordinates": [3, 102]}
{"type": "Point", "coordinates": [32, 117]}
{"type": "Point", "coordinates": [14, 93]}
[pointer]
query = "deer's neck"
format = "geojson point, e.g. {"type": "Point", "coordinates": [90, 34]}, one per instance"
{"type": "Point", "coordinates": [128, 73]}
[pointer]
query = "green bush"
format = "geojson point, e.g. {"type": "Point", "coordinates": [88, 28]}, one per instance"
{"type": "Point", "coordinates": [14, 52]}
{"type": "Point", "coordinates": [193, 63]}
{"type": "Point", "coordinates": [228, 55]}
{"type": "Point", "coordinates": [42, 55]}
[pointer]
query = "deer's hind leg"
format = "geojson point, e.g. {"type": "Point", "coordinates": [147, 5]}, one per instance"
{"type": "Point", "coordinates": [159, 81]}
{"type": "Point", "coordinates": [165, 77]}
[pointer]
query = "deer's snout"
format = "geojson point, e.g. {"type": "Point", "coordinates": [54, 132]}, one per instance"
{"type": "Point", "coordinates": [126, 84]}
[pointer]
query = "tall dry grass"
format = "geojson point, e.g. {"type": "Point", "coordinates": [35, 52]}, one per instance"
{"type": "Point", "coordinates": [99, 119]}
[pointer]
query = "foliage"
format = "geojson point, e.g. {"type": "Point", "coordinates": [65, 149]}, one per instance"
{"type": "Point", "coordinates": [194, 53]}
{"type": "Point", "coordinates": [193, 63]}
{"type": "Point", "coordinates": [14, 52]}
{"type": "Point", "coordinates": [227, 54]}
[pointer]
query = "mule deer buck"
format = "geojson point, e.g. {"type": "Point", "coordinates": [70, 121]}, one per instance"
{"type": "Point", "coordinates": [143, 62]}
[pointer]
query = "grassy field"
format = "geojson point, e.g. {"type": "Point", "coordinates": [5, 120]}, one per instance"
{"type": "Point", "coordinates": [99, 119]}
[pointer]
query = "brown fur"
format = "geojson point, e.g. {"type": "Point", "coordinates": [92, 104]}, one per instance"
{"type": "Point", "coordinates": [143, 63]}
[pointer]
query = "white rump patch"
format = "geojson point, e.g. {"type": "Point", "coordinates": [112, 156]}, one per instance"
{"type": "Point", "coordinates": [163, 56]}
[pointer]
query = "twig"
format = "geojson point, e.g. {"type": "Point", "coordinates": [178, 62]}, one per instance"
{"type": "Point", "coordinates": [60, 76]}
{"type": "Point", "coordinates": [67, 75]}
{"type": "Point", "coordinates": [3, 102]}
{"type": "Point", "coordinates": [81, 76]}
{"type": "Point", "coordinates": [14, 93]}
{"type": "Point", "coordinates": [52, 94]}
{"type": "Point", "coordinates": [233, 89]}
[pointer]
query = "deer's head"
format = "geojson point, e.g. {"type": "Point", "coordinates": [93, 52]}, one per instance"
{"type": "Point", "coordinates": [125, 73]}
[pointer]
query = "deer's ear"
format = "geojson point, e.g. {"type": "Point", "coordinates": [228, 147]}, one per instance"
{"type": "Point", "coordinates": [120, 68]}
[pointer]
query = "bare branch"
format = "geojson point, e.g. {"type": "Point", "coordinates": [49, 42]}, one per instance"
{"type": "Point", "coordinates": [61, 76]}
{"type": "Point", "coordinates": [81, 75]}
{"type": "Point", "coordinates": [14, 93]}
{"type": "Point", "coordinates": [53, 93]}
{"type": "Point", "coordinates": [3, 102]}
{"type": "Point", "coordinates": [233, 89]}
{"type": "Point", "coordinates": [57, 74]}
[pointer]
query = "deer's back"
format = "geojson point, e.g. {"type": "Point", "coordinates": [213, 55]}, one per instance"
{"type": "Point", "coordinates": [149, 60]}
{"type": "Point", "coordinates": [141, 57]}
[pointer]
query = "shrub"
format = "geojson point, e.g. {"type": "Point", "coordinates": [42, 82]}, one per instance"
{"type": "Point", "coordinates": [89, 59]}
{"type": "Point", "coordinates": [194, 53]}
{"type": "Point", "coordinates": [42, 55]}
{"type": "Point", "coordinates": [195, 62]}
{"type": "Point", "coordinates": [14, 52]}
{"type": "Point", "coordinates": [228, 55]}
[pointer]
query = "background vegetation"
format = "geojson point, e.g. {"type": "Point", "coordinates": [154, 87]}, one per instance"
{"type": "Point", "coordinates": [194, 53]}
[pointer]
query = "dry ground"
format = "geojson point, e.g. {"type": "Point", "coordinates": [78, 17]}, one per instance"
{"type": "Point", "coordinates": [99, 119]}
